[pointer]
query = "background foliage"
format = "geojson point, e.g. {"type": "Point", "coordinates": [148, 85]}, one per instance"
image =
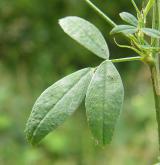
{"type": "Point", "coordinates": [34, 53]}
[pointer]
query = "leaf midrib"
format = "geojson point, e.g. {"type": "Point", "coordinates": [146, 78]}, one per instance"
{"type": "Point", "coordinates": [103, 127]}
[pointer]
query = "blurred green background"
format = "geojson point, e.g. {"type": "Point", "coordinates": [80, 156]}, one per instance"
{"type": "Point", "coordinates": [34, 53]}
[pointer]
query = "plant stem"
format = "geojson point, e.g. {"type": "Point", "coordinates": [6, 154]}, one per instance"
{"type": "Point", "coordinates": [138, 58]}
{"type": "Point", "coordinates": [155, 69]}
{"type": "Point", "coordinates": [98, 11]}
{"type": "Point", "coordinates": [104, 16]}
{"type": "Point", "coordinates": [156, 89]}
{"type": "Point", "coordinates": [135, 6]}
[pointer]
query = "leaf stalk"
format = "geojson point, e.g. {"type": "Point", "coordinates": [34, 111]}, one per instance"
{"type": "Point", "coordinates": [138, 58]}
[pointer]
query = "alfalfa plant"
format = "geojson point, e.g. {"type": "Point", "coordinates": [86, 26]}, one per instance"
{"type": "Point", "coordinates": [101, 87]}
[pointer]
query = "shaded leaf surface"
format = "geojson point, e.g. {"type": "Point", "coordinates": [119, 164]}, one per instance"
{"type": "Point", "coordinates": [57, 103]}
{"type": "Point", "coordinates": [86, 34]}
{"type": "Point", "coordinates": [104, 101]}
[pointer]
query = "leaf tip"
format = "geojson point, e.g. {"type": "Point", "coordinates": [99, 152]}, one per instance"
{"type": "Point", "coordinates": [102, 142]}
{"type": "Point", "coordinates": [112, 32]}
{"type": "Point", "coordinates": [120, 14]}
{"type": "Point", "coordinates": [32, 140]}
{"type": "Point", "coordinates": [60, 21]}
{"type": "Point", "coordinates": [29, 136]}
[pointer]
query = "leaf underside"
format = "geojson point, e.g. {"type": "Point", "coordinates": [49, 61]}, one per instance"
{"type": "Point", "coordinates": [57, 103]}
{"type": "Point", "coordinates": [86, 34]}
{"type": "Point", "coordinates": [103, 102]}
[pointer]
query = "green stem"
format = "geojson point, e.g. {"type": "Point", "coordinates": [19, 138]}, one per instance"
{"type": "Point", "coordinates": [98, 11]}
{"type": "Point", "coordinates": [156, 89]}
{"type": "Point", "coordinates": [138, 58]}
{"type": "Point", "coordinates": [136, 8]}
{"type": "Point", "coordinates": [155, 69]}
{"type": "Point", "coordinates": [104, 16]}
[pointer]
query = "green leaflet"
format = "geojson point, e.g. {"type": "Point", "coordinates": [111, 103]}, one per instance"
{"type": "Point", "coordinates": [151, 32]}
{"type": "Point", "coordinates": [126, 29]}
{"type": "Point", "coordinates": [86, 34]}
{"type": "Point", "coordinates": [104, 101]}
{"type": "Point", "coordinates": [57, 103]}
{"type": "Point", "coordinates": [129, 18]}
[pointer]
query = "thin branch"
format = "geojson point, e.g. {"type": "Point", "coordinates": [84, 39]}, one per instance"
{"type": "Point", "coordinates": [98, 11]}
{"type": "Point", "coordinates": [135, 6]}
